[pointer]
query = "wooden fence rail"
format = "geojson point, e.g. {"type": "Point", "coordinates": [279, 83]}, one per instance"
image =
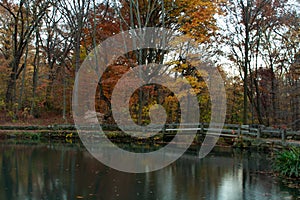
{"type": "Point", "coordinates": [226, 130]}
{"type": "Point", "coordinates": [235, 130]}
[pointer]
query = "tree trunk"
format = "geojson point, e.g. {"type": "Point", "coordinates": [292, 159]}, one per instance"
{"type": "Point", "coordinates": [33, 110]}
{"type": "Point", "coordinates": [246, 49]}
{"type": "Point", "coordinates": [64, 93]}
{"type": "Point", "coordinates": [49, 89]}
{"type": "Point", "coordinates": [10, 96]}
{"type": "Point", "coordinates": [11, 86]}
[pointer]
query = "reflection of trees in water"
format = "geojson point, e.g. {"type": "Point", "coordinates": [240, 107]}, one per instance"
{"type": "Point", "coordinates": [43, 172]}
{"type": "Point", "coordinates": [7, 181]}
{"type": "Point", "coordinates": [202, 178]}
{"type": "Point", "coordinates": [60, 172]}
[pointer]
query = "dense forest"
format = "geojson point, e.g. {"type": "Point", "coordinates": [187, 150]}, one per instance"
{"type": "Point", "coordinates": [255, 45]}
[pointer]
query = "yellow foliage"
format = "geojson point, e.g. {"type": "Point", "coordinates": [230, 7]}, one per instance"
{"type": "Point", "coordinates": [195, 17]}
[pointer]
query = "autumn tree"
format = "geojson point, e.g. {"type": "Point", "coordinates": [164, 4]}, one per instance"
{"type": "Point", "coordinates": [55, 47]}
{"type": "Point", "coordinates": [75, 14]}
{"type": "Point", "coordinates": [21, 36]}
{"type": "Point", "coordinates": [288, 74]}
{"type": "Point", "coordinates": [234, 91]}
{"type": "Point", "coordinates": [193, 18]}
{"type": "Point", "coordinates": [249, 31]}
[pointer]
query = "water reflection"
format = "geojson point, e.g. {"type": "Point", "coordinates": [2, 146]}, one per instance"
{"type": "Point", "coordinates": [60, 171]}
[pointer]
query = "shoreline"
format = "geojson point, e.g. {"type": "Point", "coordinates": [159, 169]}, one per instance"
{"type": "Point", "coordinates": [242, 142]}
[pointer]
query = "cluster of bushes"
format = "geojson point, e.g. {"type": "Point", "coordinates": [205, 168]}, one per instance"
{"type": "Point", "coordinates": [287, 162]}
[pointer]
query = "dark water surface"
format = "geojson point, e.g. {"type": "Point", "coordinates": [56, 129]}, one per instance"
{"type": "Point", "coordinates": [64, 171]}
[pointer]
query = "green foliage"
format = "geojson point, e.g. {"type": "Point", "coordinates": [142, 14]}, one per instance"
{"type": "Point", "coordinates": [12, 116]}
{"type": "Point", "coordinates": [30, 135]}
{"type": "Point", "coordinates": [287, 162]}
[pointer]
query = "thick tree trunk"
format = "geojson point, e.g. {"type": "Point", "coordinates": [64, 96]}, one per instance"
{"type": "Point", "coordinates": [246, 49]}
{"type": "Point", "coordinates": [258, 107]}
{"type": "Point", "coordinates": [10, 96]}
{"type": "Point", "coordinates": [273, 97]}
{"type": "Point", "coordinates": [11, 85]}
{"type": "Point", "coordinates": [48, 102]}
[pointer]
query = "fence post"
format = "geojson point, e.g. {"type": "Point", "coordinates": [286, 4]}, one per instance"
{"type": "Point", "coordinates": [164, 128]}
{"type": "Point", "coordinates": [282, 131]}
{"type": "Point", "coordinates": [258, 132]}
{"type": "Point", "coordinates": [202, 128]}
{"type": "Point", "coordinates": [239, 130]}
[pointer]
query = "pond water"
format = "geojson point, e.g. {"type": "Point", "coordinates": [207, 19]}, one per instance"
{"type": "Point", "coordinates": [66, 172]}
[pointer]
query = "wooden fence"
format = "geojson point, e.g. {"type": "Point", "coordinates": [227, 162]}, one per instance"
{"type": "Point", "coordinates": [235, 130]}
{"type": "Point", "coordinates": [226, 130]}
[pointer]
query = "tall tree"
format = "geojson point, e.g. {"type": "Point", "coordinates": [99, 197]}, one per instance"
{"type": "Point", "coordinates": [76, 14]}
{"type": "Point", "coordinates": [21, 36]}
{"type": "Point", "coordinates": [56, 46]}
{"type": "Point", "coordinates": [193, 18]}
{"type": "Point", "coordinates": [247, 23]}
